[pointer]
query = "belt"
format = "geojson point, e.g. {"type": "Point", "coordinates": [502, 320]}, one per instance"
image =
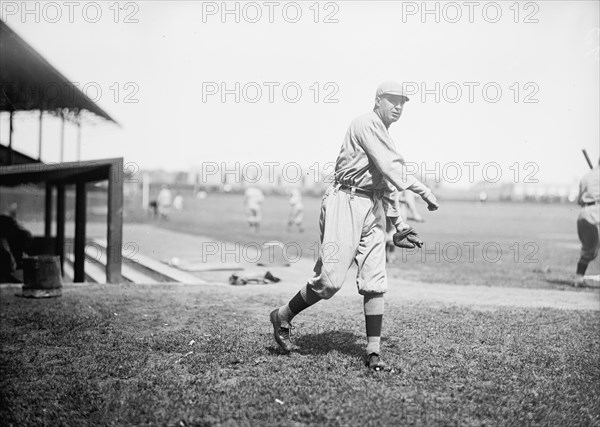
{"type": "Point", "coordinates": [589, 203]}
{"type": "Point", "coordinates": [360, 191]}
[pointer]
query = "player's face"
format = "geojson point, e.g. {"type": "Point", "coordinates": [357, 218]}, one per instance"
{"type": "Point", "coordinates": [390, 108]}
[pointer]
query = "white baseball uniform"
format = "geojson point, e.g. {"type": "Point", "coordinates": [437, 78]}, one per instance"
{"type": "Point", "coordinates": [588, 222]}
{"type": "Point", "coordinates": [353, 210]}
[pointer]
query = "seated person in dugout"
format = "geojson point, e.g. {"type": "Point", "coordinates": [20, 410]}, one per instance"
{"type": "Point", "coordinates": [15, 240]}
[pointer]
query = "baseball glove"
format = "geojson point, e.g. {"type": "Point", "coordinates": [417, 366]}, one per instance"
{"type": "Point", "coordinates": [407, 239]}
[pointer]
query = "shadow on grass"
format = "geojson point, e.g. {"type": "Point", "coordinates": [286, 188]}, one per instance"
{"type": "Point", "coordinates": [325, 342]}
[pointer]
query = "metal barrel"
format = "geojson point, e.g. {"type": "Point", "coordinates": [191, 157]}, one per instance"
{"type": "Point", "coordinates": [42, 276]}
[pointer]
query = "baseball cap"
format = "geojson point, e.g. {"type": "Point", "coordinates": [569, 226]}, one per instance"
{"type": "Point", "coordinates": [391, 88]}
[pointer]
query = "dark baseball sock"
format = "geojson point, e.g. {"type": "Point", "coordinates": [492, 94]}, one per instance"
{"type": "Point", "coordinates": [374, 306]}
{"type": "Point", "coordinates": [582, 266]}
{"type": "Point", "coordinates": [301, 301]}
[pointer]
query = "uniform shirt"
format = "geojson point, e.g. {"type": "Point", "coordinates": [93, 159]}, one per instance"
{"type": "Point", "coordinates": [253, 197]}
{"type": "Point", "coordinates": [589, 187]}
{"type": "Point", "coordinates": [368, 160]}
{"type": "Point", "coordinates": [589, 191]}
{"type": "Point", "coordinates": [164, 197]}
{"type": "Point", "coordinates": [296, 199]}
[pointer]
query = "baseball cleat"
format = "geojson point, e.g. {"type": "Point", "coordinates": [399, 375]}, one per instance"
{"type": "Point", "coordinates": [281, 333]}
{"type": "Point", "coordinates": [375, 363]}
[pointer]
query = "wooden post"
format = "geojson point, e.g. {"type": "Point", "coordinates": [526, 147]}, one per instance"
{"type": "Point", "coordinates": [48, 212]}
{"type": "Point", "coordinates": [80, 220]}
{"type": "Point", "coordinates": [62, 137]}
{"type": "Point", "coordinates": [11, 158]}
{"type": "Point", "coordinates": [40, 137]}
{"type": "Point", "coordinates": [79, 138]}
{"type": "Point", "coordinates": [114, 234]}
{"type": "Point", "coordinates": [60, 224]}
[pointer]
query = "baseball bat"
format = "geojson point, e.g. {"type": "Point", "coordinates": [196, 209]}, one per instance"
{"type": "Point", "coordinates": [587, 158]}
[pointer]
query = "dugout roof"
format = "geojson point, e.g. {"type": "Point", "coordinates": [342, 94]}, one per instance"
{"type": "Point", "coordinates": [63, 173]}
{"type": "Point", "coordinates": [29, 82]}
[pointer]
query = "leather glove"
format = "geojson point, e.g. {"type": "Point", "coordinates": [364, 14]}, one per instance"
{"type": "Point", "coordinates": [407, 239]}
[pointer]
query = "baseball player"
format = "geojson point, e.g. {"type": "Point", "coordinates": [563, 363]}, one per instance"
{"type": "Point", "coordinates": [253, 198]}
{"type": "Point", "coordinates": [15, 240]}
{"type": "Point", "coordinates": [588, 222]}
{"type": "Point", "coordinates": [296, 210]}
{"type": "Point", "coordinates": [408, 199]}
{"type": "Point", "coordinates": [164, 202]}
{"type": "Point", "coordinates": [352, 221]}
{"type": "Point", "coordinates": [408, 210]}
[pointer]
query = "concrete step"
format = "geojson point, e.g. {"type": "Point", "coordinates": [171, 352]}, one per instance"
{"type": "Point", "coordinates": [93, 271]}
{"type": "Point", "coordinates": [130, 260]}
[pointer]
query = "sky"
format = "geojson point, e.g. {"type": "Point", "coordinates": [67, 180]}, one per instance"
{"type": "Point", "coordinates": [492, 83]}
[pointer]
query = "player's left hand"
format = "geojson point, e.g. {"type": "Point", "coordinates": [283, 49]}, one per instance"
{"type": "Point", "coordinates": [407, 239]}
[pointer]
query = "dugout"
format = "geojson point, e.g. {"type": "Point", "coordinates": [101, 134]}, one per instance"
{"type": "Point", "coordinates": [29, 83]}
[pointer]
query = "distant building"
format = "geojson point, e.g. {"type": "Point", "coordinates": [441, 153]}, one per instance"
{"type": "Point", "coordinates": [272, 178]}
{"type": "Point", "coordinates": [165, 177]}
{"type": "Point", "coordinates": [519, 192]}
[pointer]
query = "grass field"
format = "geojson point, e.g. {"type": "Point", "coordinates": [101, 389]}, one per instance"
{"type": "Point", "coordinates": [494, 244]}
{"type": "Point", "coordinates": [136, 355]}
{"type": "Point", "coordinates": [204, 355]}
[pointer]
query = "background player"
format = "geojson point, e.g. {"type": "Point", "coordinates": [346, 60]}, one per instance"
{"type": "Point", "coordinates": [588, 221]}
{"type": "Point", "coordinates": [407, 210]}
{"type": "Point", "coordinates": [253, 199]}
{"type": "Point", "coordinates": [164, 201]}
{"type": "Point", "coordinates": [296, 210]}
